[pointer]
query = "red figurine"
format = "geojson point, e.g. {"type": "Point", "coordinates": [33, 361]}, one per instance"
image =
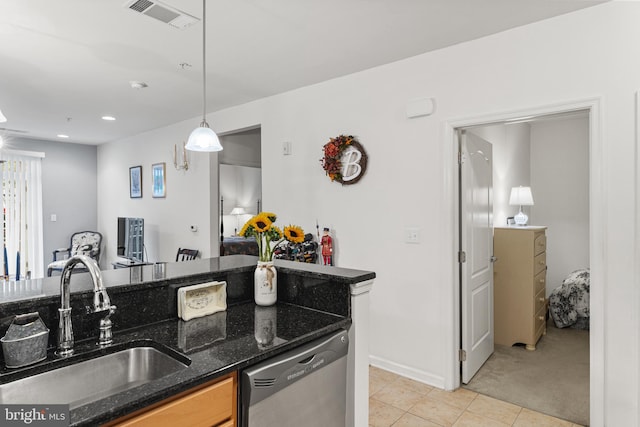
{"type": "Point", "coordinates": [327, 247]}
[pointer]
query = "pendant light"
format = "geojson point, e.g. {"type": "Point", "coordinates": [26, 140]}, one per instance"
{"type": "Point", "coordinates": [203, 138]}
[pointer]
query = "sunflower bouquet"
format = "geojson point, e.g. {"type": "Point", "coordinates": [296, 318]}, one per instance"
{"type": "Point", "coordinates": [268, 236]}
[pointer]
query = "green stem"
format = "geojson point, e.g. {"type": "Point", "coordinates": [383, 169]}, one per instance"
{"type": "Point", "coordinates": [259, 241]}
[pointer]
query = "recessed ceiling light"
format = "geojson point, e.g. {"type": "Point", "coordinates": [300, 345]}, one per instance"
{"type": "Point", "coordinates": [108, 118]}
{"type": "Point", "coordinates": [61, 135]}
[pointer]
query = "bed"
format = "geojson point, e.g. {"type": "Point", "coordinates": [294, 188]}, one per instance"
{"type": "Point", "coordinates": [239, 246]}
{"type": "Point", "coordinates": [569, 303]}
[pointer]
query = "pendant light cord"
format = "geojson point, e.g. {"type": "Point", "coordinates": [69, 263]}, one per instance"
{"type": "Point", "coordinates": [204, 62]}
{"type": "Point", "coordinates": [203, 138]}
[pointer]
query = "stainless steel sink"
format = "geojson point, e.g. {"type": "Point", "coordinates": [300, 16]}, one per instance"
{"type": "Point", "coordinates": [91, 380]}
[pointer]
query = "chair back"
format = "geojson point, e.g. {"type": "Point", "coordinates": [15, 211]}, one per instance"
{"type": "Point", "coordinates": [186, 254]}
{"type": "Point", "coordinates": [86, 243]}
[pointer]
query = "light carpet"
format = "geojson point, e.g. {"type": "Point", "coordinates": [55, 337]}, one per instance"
{"type": "Point", "coordinates": [553, 379]}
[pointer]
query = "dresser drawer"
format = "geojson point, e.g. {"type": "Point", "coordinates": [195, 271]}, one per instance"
{"type": "Point", "coordinates": [540, 301]}
{"type": "Point", "coordinates": [540, 244]}
{"type": "Point", "coordinates": [539, 263]}
{"type": "Point", "coordinates": [539, 321]}
{"type": "Point", "coordinates": [539, 282]}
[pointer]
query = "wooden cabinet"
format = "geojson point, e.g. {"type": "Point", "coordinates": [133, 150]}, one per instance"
{"type": "Point", "coordinates": [212, 404]}
{"type": "Point", "coordinates": [519, 294]}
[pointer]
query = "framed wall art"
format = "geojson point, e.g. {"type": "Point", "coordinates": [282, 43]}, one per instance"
{"type": "Point", "coordinates": [158, 171]}
{"type": "Point", "coordinates": [135, 182]}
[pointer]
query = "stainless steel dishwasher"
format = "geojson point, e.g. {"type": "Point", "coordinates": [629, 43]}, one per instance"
{"type": "Point", "coordinates": [303, 387]}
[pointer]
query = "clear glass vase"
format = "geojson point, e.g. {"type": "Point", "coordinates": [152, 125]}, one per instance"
{"type": "Point", "coordinates": [265, 325]}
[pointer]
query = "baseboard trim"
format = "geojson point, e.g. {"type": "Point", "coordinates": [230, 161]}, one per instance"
{"type": "Point", "coordinates": [408, 372]}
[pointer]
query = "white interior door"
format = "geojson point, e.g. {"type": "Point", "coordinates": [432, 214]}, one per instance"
{"type": "Point", "coordinates": [476, 243]}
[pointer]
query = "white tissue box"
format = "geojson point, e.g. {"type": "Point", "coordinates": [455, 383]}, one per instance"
{"type": "Point", "coordinates": [202, 299]}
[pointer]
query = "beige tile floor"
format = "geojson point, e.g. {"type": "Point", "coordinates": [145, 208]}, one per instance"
{"type": "Point", "coordinates": [395, 401]}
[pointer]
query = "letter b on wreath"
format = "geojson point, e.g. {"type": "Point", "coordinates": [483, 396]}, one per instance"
{"type": "Point", "coordinates": [345, 160]}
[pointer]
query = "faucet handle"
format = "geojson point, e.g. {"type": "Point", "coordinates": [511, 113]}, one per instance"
{"type": "Point", "coordinates": [91, 310]}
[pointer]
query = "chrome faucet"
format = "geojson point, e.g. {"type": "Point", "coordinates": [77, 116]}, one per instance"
{"type": "Point", "coordinates": [101, 303]}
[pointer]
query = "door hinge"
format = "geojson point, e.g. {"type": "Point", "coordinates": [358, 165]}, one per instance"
{"type": "Point", "coordinates": [459, 157]}
{"type": "Point", "coordinates": [462, 355]}
{"type": "Point", "coordinates": [462, 256]}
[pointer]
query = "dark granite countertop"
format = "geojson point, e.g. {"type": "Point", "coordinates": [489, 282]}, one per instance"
{"type": "Point", "coordinates": [215, 345]}
{"type": "Point", "coordinates": [313, 300]}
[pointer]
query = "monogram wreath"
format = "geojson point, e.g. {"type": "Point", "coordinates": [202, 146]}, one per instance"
{"type": "Point", "coordinates": [333, 150]}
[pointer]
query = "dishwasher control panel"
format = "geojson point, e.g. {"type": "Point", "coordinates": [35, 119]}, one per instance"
{"type": "Point", "coordinates": [272, 375]}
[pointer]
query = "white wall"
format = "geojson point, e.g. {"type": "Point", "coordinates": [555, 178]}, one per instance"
{"type": "Point", "coordinates": [167, 220]}
{"type": "Point", "coordinates": [511, 165]}
{"type": "Point", "coordinates": [590, 53]}
{"type": "Point", "coordinates": [560, 181]}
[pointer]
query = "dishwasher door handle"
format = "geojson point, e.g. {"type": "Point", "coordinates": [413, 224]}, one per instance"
{"type": "Point", "coordinates": [307, 360]}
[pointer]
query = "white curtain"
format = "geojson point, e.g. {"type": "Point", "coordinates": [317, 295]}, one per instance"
{"type": "Point", "coordinates": [21, 215]}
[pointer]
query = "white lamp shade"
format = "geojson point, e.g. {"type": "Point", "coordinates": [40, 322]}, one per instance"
{"type": "Point", "coordinates": [203, 139]}
{"type": "Point", "coordinates": [2, 118]}
{"type": "Point", "coordinates": [521, 196]}
{"type": "Point", "coordinates": [238, 211]}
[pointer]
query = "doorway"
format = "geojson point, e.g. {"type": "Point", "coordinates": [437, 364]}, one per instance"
{"type": "Point", "coordinates": [548, 154]}
{"type": "Point", "coordinates": [239, 184]}
{"type": "Point", "coordinates": [596, 224]}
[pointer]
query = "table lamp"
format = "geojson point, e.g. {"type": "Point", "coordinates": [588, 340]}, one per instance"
{"type": "Point", "coordinates": [521, 196]}
{"type": "Point", "coordinates": [237, 211]}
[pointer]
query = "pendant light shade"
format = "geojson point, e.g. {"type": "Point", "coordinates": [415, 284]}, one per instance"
{"type": "Point", "coordinates": [203, 138]}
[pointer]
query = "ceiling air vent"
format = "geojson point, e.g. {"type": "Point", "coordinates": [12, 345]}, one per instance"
{"type": "Point", "coordinates": [162, 12]}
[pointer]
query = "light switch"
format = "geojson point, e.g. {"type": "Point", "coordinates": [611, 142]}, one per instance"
{"type": "Point", "coordinates": [286, 148]}
{"type": "Point", "coordinates": [54, 217]}
{"type": "Point", "coordinates": [412, 235]}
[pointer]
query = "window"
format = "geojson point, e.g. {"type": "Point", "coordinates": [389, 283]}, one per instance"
{"type": "Point", "coordinates": [21, 216]}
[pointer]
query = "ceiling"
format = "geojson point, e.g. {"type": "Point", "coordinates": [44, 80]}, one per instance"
{"type": "Point", "coordinates": [67, 63]}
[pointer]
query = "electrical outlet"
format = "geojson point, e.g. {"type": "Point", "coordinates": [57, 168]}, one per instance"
{"type": "Point", "coordinates": [412, 235]}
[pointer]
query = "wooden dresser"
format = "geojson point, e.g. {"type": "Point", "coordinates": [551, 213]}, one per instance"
{"type": "Point", "coordinates": [519, 294]}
